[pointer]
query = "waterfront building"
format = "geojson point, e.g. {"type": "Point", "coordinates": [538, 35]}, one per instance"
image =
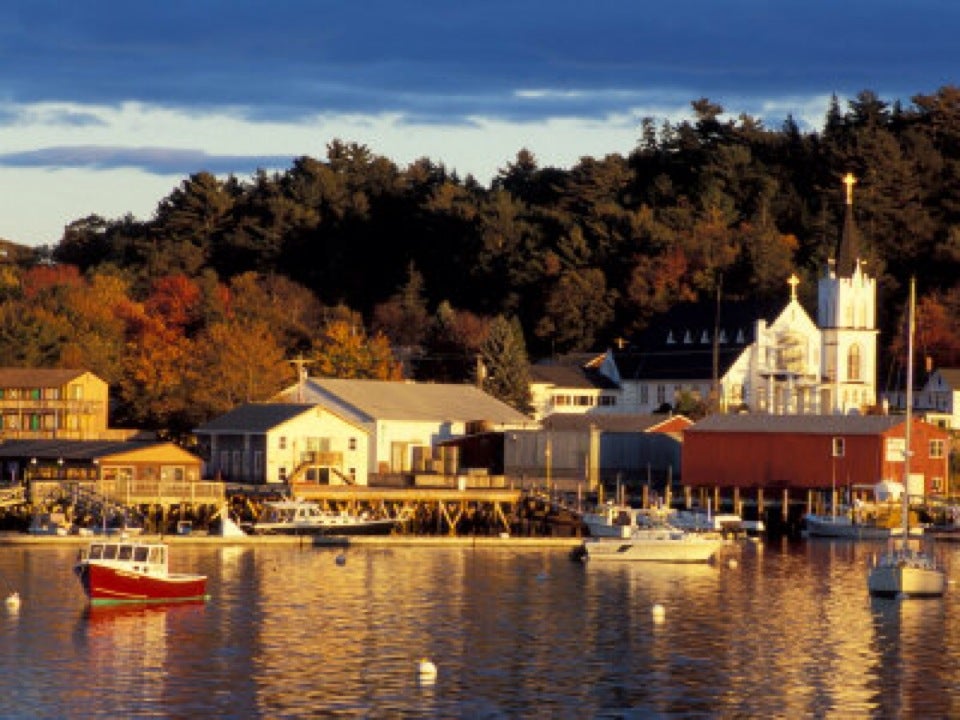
{"type": "Point", "coordinates": [284, 443]}
{"type": "Point", "coordinates": [49, 403]}
{"type": "Point", "coordinates": [793, 452]}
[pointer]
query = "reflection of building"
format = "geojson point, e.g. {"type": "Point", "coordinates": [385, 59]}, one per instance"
{"type": "Point", "coordinates": [54, 403]}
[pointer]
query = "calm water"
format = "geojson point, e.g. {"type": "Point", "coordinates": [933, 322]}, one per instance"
{"type": "Point", "coordinates": [788, 632]}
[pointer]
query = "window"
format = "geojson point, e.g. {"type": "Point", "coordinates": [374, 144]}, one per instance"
{"type": "Point", "coordinates": [661, 394]}
{"type": "Point", "coordinates": [352, 444]}
{"type": "Point", "coordinates": [936, 484]}
{"type": "Point", "coordinates": [839, 447]}
{"type": "Point", "coordinates": [644, 394]}
{"type": "Point", "coordinates": [853, 363]}
{"type": "Point", "coordinates": [283, 442]}
{"type": "Point", "coordinates": [608, 400]}
{"type": "Point", "coordinates": [936, 448]}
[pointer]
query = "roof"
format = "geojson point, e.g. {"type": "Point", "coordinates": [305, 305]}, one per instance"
{"type": "Point", "coordinates": [580, 370]}
{"type": "Point", "coordinates": [679, 345]}
{"type": "Point", "coordinates": [16, 377]}
{"type": "Point", "coordinates": [255, 417]}
{"type": "Point", "coordinates": [79, 449]}
{"type": "Point", "coordinates": [410, 401]}
{"type": "Point", "coordinates": [799, 424]}
{"type": "Point", "coordinates": [606, 422]}
{"type": "Point", "coordinates": [951, 377]}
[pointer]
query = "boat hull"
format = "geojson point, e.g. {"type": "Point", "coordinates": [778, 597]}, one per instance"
{"type": "Point", "coordinates": [106, 585]}
{"type": "Point", "coordinates": [906, 574]}
{"type": "Point", "coordinates": [665, 546]}
{"type": "Point", "coordinates": [371, 527]}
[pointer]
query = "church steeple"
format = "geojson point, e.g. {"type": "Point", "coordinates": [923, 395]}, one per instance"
{"type": "Point", "coordinates": [846, 315]}
{"type": "Point", "coordinates": [848, 254]}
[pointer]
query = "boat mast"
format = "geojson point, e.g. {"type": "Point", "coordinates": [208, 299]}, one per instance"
{"type": "Point", "coordinates": [909, 402]}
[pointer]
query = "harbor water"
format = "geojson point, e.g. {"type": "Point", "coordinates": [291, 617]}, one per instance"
{"type": "Point", "coordinates": [784, 629]}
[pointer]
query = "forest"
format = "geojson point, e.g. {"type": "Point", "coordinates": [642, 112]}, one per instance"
{"type": "Point", "coordinates": [362, 268]}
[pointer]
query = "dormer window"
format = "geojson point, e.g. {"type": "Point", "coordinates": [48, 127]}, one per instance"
{"type": "Point", "coordinates": [670, 339]}
{"type": "Point", "coordinates": [687, 340]}
{"type": "Point", "coordinates": [723, 336]}
{"type": "Point", "coordinates": [705, 338]}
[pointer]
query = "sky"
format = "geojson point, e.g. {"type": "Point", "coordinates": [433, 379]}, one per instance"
{"type": "Point", "coordinates": [106, 106]}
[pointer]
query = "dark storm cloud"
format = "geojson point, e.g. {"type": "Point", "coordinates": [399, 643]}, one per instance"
{"type": "Point", "coordinates": [450, 60]}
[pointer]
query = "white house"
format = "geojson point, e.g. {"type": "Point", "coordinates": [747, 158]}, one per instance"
{"type": "Point", "coordinates": [268, 443]}
{"type": "Point", "coordinates": [939, 399]}
{"type": "Point", "coordinates": [580, 383]}
{"type": "Point", "coordinates": [404, 421]}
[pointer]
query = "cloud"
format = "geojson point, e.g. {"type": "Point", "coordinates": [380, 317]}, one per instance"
{"type": "Point", "coordinates": [154, 160]}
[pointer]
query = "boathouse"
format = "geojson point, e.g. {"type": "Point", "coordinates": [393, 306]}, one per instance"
{"type": "Point", "coordinates": [813, 453]}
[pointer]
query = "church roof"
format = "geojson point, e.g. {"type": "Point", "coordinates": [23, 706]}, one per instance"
{"type": "Point", "coordinates": [679, 345]}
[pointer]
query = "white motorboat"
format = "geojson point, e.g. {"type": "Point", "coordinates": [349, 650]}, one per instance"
{"type": "Point", "coordinates": [618, 520]}
{"type": "Point", "coordinates": [904, 571]}
{"type": "Point", "coordinates": [301, 517]}
{"type": "Point", "coordinates": [654, 544]}
{"type": "Point", "coordinates": [847, 526]}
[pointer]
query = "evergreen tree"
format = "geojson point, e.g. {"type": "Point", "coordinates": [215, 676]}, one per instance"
{"type": "Point", "coordinates": [505, 369]}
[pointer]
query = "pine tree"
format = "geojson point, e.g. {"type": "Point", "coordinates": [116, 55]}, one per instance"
{"type": "Point", "coordinates": [504, 365]}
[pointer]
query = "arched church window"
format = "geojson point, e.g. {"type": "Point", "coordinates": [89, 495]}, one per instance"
{"type": "Point", "coordinates": [853, 363]}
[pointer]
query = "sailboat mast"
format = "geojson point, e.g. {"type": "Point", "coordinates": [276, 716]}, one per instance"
{"type": "Point", "coordinates": [909, 402]}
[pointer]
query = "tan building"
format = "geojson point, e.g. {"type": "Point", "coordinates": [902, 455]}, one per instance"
{"type": "Point", "coordinates": [53, 403]}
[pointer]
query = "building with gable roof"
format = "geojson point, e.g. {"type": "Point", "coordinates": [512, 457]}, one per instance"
{"type": "Point", "coordinates": [577, 383]}
{"type": "Point", "coordinates": [404, 421]}
{"type": "Point", "coordinates": [282, 443]}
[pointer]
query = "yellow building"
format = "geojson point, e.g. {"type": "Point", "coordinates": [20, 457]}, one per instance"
{"type": "Point", "coordinates": [53, 403]}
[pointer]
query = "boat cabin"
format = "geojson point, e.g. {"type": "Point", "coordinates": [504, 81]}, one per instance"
{"type": "Point", "coordinates": [139, 557]}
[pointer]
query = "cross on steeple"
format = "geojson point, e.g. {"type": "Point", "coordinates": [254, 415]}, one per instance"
{"type": "Point", "coordinates": [793, 281]}
{"type": "Point", "coordinates": [849, 180]}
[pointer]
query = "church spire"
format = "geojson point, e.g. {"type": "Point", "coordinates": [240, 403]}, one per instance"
{"type": "Point", "coordinates": [848, 255]}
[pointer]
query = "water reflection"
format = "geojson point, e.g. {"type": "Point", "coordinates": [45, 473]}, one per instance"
{"type": "Point", "coordinates": [788, 630]}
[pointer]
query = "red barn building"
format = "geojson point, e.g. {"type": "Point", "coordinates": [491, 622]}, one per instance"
{"type": "Point", "coordinates": [812, 452]}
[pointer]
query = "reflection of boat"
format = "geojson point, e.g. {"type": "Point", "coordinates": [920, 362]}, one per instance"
{"type": "Point", "coordinates": [905, 571]}
{"type": "Point", "coordinates": [653, 544]}
{"type": "Point", "coordinates": [301, 517]}
{"type": "Point", "coordinates": [134, 572]}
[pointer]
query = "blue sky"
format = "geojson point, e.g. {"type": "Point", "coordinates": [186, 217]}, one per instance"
{"type": "Point", "coordinates": [106, 106]}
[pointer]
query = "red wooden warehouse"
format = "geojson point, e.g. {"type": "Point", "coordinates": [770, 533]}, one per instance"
{"type": "Point", "coordinates": [812, 452]}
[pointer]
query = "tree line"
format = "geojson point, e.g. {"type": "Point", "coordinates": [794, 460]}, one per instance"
{"type": "Point", "coordinates": [368, 269]}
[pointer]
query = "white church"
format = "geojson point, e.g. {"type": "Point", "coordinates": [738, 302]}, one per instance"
{"type": "Point", "coordinates": [743, 357]}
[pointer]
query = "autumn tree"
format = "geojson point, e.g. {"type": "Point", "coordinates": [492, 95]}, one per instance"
{"type": "Point", "coordinates": [344, 351]}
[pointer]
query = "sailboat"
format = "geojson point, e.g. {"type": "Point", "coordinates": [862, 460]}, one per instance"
{"type": "Point", "coordinates": [904, 571]}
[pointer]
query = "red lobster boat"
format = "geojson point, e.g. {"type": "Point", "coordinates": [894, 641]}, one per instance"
{"type": "Point", "coordinates": [133, 571]}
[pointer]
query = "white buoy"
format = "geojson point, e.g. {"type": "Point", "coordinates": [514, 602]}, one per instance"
{"type": "Point", "coordinates": [13, 601]}
{"type": "Point", "coordinates": [732, 563]}
{"type": "Point", "coordinates": [427, 671]}
{"type": "Point", "coordinates": [658, 612]}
